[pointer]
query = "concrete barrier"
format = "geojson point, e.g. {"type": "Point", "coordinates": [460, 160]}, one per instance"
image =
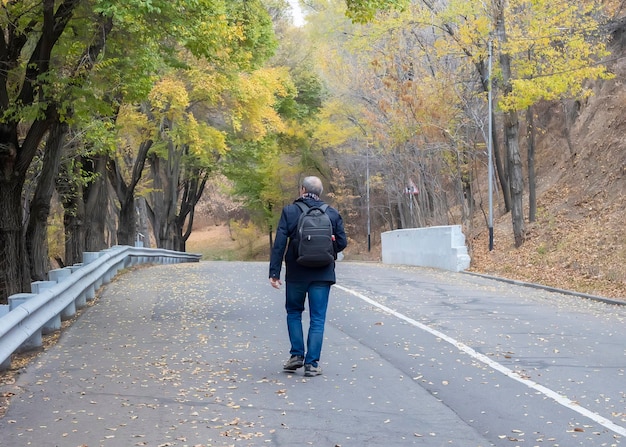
{"type": "Point", "coordinates": [441, 247]}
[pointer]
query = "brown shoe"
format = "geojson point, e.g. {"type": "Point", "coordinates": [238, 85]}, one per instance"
{"type": "Point", "coordinates": [294, 362]}
{"type": "Point", "coordinates": [312, 371]}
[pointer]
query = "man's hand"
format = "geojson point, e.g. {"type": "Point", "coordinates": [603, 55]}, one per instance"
{"type": "Point", "coordinates": [275, 282]}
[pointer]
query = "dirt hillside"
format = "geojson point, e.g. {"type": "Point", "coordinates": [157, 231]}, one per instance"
{"type": "Point", "coordinates": [578, 242]}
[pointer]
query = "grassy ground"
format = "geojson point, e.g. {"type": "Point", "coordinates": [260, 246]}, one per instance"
{"type": "Point", "coordinates": [219, 243]}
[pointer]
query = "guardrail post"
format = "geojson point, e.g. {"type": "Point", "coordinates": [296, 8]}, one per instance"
{"type": "Point", "coordinates": [40, 286]}
{"type": "Point", "coordinates": [35, 340]}
{"type": "Point", "coordinates": [90, 292]}
{"type": "Point", "coordinates": [59, 275]}
{"type": "Point", "coordinates": [69, 311]}
{"type": "Point", "coordinates": [110, 274]}
{"type": "Point", "coordinates": [4, 309]}
{"type": "Point", "coordinates": [54, 324]}
{"type": "Point", "coordinates": [90, 256]}
{"type": "Point", "coordinates": [98, 283]}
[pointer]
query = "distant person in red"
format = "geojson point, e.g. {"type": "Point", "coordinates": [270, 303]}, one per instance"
{"type": "Point", "coordinates": [302, 281]}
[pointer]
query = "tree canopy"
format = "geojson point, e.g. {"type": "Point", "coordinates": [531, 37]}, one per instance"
{"type": "Point", "coordinates": [545, 50]}
{"type": "Point", "coordinates": [68, 68]}
{"type": "Point", "coordinates": [107, 106]}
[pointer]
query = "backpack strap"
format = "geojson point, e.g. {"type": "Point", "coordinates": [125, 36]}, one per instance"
{"type": "Point", "coordinates": [304, 207]}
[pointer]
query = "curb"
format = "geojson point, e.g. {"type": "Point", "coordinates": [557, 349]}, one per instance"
{"type": "Point", "coordinates": [549, 289]}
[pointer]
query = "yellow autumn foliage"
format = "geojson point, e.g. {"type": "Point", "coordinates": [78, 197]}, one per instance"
{"type": "Point", "coordinates": [169, 97]}
{"type": "Point", "coordinates": [338, 123]}
{"type": "Point", "coordinates": [254, 97]}
{"type": "Point", "coordinates": [552, 49]}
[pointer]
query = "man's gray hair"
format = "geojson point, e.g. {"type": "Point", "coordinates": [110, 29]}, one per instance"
{"type": "Point", "coordinates": [313, 185]}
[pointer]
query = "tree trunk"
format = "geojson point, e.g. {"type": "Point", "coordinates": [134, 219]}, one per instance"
{"type": "Point", "coordinates": [178, 243]}
{"type": "Point", "coordinates": [396, 215]}
{"type": "Point", "coordinates": [466, 199]}
{"type": "Point", "coordinates": [158, 205]}
{"type": "Point", "coordinates": [14, 163]}
{"type": "Point", "coordinates": [502, 173]}
{"type": "Point", "coordinates": [73, 221]}
{"type": "Point", "coordinates": [13, 260]}
{"type": "Point", "coordinates": [193, 188]}
{"type": "Point", "coordinates": [516, 180]}
{"type": "Point", "coordinates": [96, 201]}
{"type": "Point", "coordinates": [511, 135]}
{"type": "Point", "coordinates": [127, 224]}
{"type": "Point", "coordinates": [142, 224]}
{"type": "Point", "coordinates": [71, 195]}
{"type": "Point", "coordinates": [127, 227]}
{"type": "Point", "coordinates": [270, 234]}
{"type": "Point", "coordinates": [482, 69]}
{"type": "Point", "coordinates": [532, 181]}
{"type": "Point", "coordinates": [165, 195]}
{"type": "Point", "coordinates": [571, 109]}
{"type": "Point", "coordinates": [37, 230]}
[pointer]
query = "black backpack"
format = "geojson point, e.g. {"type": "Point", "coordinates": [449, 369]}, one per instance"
{"type": "Point", "coordinates": [315, 237]}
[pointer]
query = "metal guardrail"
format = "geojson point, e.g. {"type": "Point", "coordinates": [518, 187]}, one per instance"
{"type": "Point", "coordinates": [28, 316]}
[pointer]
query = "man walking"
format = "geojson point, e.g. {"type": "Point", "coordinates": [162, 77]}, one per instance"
{"type": "Point", "coordinates": [302, 281]}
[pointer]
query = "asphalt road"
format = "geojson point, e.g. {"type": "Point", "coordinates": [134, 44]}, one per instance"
{"type": "Point", "coordinates": [191, 355]}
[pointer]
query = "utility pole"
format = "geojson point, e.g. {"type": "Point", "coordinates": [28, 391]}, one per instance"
{"type": "Point", "coordinates": [490, 146]}
{"type": "Point", "coordinates": [367, 197]}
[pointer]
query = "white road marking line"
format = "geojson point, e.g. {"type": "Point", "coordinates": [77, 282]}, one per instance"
{"type": "Point", "coordinates": [562, 400]}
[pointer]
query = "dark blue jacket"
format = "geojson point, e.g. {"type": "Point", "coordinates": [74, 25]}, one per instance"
{"type": "Point", "coordinates": [286, 233]}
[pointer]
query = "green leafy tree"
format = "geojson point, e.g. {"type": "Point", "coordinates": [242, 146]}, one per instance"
{"type": "Point", "coordinates": [49, 51]}
{"type": "Point", "coordinates": [180, 161]}
{"type": "Point", "coordinates": [29, 104]}
{"type": "Point", "coordinates": [256, 132]}
{"type": "Point", "coordinates": [126, 166]}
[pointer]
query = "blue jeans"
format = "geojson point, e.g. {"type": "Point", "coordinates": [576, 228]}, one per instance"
{"type": "Point", "coordinates": [296, 293]}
